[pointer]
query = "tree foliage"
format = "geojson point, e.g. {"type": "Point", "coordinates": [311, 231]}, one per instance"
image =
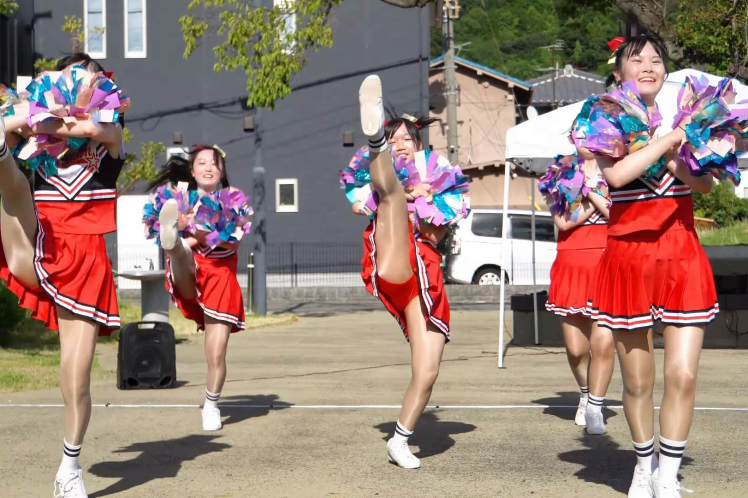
{"type": "Point", "coordinates": [511, 35]}
{"type": "Point", "coordinates": [721, 205]}
{"type": "Point", "coordinates": [139, 167]}
{"type": "Point", "coordinates": [7, 7]}
{"type": "Point", "coordinates": [258, 40]}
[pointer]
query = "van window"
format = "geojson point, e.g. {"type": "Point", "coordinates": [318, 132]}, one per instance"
{"type": "Point", "coordinates": [487, 224]}
{"type": "Point", "coordinates": [522, 228]}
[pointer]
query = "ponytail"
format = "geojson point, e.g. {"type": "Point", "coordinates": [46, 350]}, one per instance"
{"type": "Point", "coordinates": [177, 169]}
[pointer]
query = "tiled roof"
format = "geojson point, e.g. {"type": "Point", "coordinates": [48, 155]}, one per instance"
{"type": "Point", "coordinates": [479, 67]}
{"type": "Point", "coordinates": [572, 85]}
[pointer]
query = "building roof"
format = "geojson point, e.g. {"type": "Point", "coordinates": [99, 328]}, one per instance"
{"type": "Point", "coordinates": [572, 85]}
{"type": "Point", "coordinates": [486, 70]}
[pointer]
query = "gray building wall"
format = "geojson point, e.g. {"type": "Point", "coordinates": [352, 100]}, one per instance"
{"type": "Point", "coordinates": [302, 138]}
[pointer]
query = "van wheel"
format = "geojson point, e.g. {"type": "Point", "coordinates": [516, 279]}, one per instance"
{"type": "Point", "coordinates": [489, 276]}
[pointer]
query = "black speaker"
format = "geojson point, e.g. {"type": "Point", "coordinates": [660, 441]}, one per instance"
{"type": "Point", "coordinates": [147, 358]}
{"type": "Point", "coordinates": [523, 302]}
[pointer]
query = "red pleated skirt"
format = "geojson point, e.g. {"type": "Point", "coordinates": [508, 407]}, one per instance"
{"type": "Point", "coordinates": [426, 263]}
{"type": "Point", "coordinates": [74, 272]}
{"type": "Point", "coordinates": [649, 276]}
{"type": "Point", "coordinates": [219, 295]}
{"type": "Point", "coordinates": [573, 277]}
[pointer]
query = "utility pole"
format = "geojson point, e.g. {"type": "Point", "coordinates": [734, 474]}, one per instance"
{"type": "Point", "coordinates": [556, 47]}
{"type": "Point", "coordinates": [450, 13]}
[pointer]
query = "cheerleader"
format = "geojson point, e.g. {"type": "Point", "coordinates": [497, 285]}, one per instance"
{"type": "Point", "coordinates": [589, 348]}
{"type": "Point", "coordinates": [201, 277]}
{"type": "Point", "coordinates": [54, 256]}
{"type": "Point", "coordinates": [653, 267]}
{"type": "Point", "coordinates": [402, 266]}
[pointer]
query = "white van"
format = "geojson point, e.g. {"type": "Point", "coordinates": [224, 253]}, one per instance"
{"type": "Point", "coordinates": [474, 250]}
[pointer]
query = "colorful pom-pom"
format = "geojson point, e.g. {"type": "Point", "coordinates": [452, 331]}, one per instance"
{"type": "Point", "coordinates": [186, 202]}
{"type": "Point", "coordinates": [69, 95]}
{"type": "Point", "coordinates": [224, 215]}
{"type": "Point", "coordinates": [716, 134]}
{"type": "Point", "coordinates": [566, 185]}
{"type": "Point", "coordinates": [448, 197]}
{"type": "Point", "coordinates": [617, 124]}
{"type": "Point", "coordinates": [356, 180]}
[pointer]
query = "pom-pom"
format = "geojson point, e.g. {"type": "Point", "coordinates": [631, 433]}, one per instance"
{"type": "Point", "coordinates": [70, 95]}
{"type": "Point", "coordinates": [186, 202]}
{"type": "Point", "coordinates": [448, 197]}
{"type": "Point", "coordinates": [617, 124]}
{"type": "Point", "coordinates": [715, 135]}
{"type": "Point", "coordinates": [356, 180]}
{"type": "Point", "coordinates": [224, 215]}
{"type": "Point", "coordinates": [566, 185]}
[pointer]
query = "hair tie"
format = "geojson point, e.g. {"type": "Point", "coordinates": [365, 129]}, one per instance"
{"type": "Point", "coordinates": [613, 45]}
{"type": "Point", "coordinates": [220, 151]}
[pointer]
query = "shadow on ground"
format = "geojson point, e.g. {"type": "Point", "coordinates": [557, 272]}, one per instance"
{"type": "Point", "coordinates": [432, 436]}
{"type": "Point", "coordinates": [563, 399]}
{"type": "Point", "coordinates": [243, 407]}
{"type": "Point", "coordinates": [604, 462]}
{"type": "Point", "coordinates": [155, 460]}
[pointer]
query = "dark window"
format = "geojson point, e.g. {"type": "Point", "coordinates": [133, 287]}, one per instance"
{"type": "Point", "coordinates": [487, 224]}
{"type": "Point", "coordinates": [522, 229]}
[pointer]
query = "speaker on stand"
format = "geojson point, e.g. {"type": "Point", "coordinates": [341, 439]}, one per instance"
{"type": "Point", "coordinates": [146, 358]}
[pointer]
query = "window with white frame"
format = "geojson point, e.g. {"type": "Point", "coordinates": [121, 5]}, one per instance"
{"type": "Point", "coordinates": [177, 151]}
{"type": "Point", "coordinates": [289, 18]}
{"type": "Point", "coordinates": [286, 195]}
{"type": "Point", "coordinates": [135, 29]}
{"type": "Point", "coordinates": [94, 27]}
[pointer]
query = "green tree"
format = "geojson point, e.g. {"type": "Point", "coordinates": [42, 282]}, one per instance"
{"type": "Point", "coordinates": [141, 167]}
{"type": "Point", "coordinates": [721, 205]}
{"type": "Point", "coordinates": [7, 7]}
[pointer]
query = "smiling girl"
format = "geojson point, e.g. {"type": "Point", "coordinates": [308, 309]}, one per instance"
{"type": "Point", "coordinates": [202, 279]}
{"type": "Point", "coordinates": [653, 268]}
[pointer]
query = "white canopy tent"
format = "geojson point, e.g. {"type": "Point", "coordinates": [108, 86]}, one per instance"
{"type": "Point", "coordinates": [533, 144]}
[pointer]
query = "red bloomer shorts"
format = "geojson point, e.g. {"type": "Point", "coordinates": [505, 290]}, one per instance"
{"type": "Point", "coordinates": [647, 276]}
{"type": "Point", "coordinates": [74, 272]}
{"type": "Point", "coordinates": [219, 295]}
{"type": "Point", "coordinates": [426, 263]}
{"type": "Point", "coordinates": [573, 277]}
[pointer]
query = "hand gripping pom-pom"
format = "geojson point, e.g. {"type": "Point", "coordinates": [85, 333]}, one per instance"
{"type": "Point", "coordinates": [447, 198]}
{"type": "Point", "coordinates": [186, 202]}
{"type": "Point", "coordinates": [617, 124]}
{"type": "Point", "coordinates": [356, 180]}
{"type": "Point", "coordinates": [717, 133]}
{"type": "Point", "coordinates": [565, 184]}
{"type": "Point", "coordinates": [70, 95]}
{"type": "Point", "coordinates": [224, 215]}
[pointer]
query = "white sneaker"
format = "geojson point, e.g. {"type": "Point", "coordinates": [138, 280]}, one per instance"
{"type": "Point", "coordinates": [595, 423]}
{"type": "Point", "coordinates": [70, 485]}
{"type": "Point", "coordinates": [168, 219]}
{"type": "Point", "coordinates": [641, 481]}
{"type": "Point", "coordinates": [581, 410]}
{"type": "Point", "coordinates": [659, 490]}
{"type": "Point", "coordinates": [372, 111]}
{"type": "Point", "coordinates": [400, 454]}
{"type": "Point", "coordinates": [211, 419]}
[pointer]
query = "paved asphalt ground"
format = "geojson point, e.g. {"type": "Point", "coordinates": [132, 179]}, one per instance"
{"type": "Point", "coordinates": [328, 375]}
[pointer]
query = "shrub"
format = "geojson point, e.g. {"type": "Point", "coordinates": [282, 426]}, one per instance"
{"type": "Point", "coordinates": [721, 205]}
{"type": "Point", "coordinates": [11, 315]}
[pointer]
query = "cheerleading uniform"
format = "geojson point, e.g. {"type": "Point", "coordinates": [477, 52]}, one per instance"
{"type": "Point", "coordinates": [219, 295]}
{"type": "Point", "coordinates": [75, 207]}
{"type": "Point", "coordinates": [427, 281]}
{"type": "Point", "coordinates": [654, 267]}
{"type": "Point", "coordinates": [575, 267]}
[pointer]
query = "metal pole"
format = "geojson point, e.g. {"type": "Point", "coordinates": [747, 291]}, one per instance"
{"type": "Point", "coordinates": [502, 292]}
{"type": "Point", "coordinates": [260, 236]}
{"type": "Point", "coordinates": [534, 282]}
{"type": "Point", "coordinates": [450, 91]}
{"type": "Point", "coordinates": [250, 277]}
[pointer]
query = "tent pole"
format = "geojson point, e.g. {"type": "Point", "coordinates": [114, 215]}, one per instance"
{"type": "Point", "coordinates": [534, 279]}
{"type": "Point", "coordinates": [502, 273]}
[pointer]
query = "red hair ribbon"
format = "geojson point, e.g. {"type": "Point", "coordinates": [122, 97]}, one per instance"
{"type": "Point", "coordinates": [615, 43]}
{"type": "Point", "coordinates": [109, 74]}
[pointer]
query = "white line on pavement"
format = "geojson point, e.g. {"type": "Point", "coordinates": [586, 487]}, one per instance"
{"type": "Point", "coordinates": [230, 406]}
